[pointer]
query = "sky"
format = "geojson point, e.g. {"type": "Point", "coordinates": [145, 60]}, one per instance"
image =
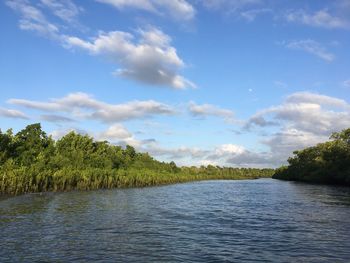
{"type": "Point", "coordinates": [239, 83]}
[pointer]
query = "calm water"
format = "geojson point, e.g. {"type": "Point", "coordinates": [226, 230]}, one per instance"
{"type": "Point", "coordinates": [261, 220]}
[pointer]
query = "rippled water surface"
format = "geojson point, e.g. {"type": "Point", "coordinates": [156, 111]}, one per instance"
{"type": "Point", "coordinates": [261, 220]}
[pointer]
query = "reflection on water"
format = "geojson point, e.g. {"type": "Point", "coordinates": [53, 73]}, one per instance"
{"type": "Point", "coordinates": [261, 220]}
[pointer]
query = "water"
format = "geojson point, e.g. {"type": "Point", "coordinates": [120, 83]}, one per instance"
{"type": "Point", "coordinates": [261, 220]}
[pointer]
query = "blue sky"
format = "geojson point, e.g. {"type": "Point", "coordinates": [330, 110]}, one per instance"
{"type": "Point", "coordinates": [224, 82]}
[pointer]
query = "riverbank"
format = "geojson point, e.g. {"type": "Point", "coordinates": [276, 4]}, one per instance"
{"type": "Point", "coordinates": [325, 163]}
{"type": "Point", "coordinates": [20, 181]}
{"type": "Point", "coordinates": [31, 161]}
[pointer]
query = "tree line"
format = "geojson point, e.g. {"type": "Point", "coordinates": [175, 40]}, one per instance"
{"type": "Point", "coordinates": [326, 163]}
{"type": "Point", "coordinates": [31, 161]}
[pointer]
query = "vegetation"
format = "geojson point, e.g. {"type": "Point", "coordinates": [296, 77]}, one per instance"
{"type": "Point", "coordinates": [326, 163]}
{"type": "Point", "coordinates": [31, 161]}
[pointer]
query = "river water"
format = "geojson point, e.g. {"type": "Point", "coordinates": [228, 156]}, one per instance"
{"type": "Point", "coordinates": [261, 220]}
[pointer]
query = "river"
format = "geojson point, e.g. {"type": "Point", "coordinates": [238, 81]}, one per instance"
{"type": "Point", "coordinates": [262, 220]}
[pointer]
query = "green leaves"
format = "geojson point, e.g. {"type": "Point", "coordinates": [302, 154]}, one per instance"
{"type": "Point", "coordinates": [327, 162]}
{"type": "Point", "coordinates": [30, 161]}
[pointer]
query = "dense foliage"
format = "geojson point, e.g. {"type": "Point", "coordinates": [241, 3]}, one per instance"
{"type": "Point", "coordinates": [326, 163]}
{"type": "Point", "coordinates": [31, 161]}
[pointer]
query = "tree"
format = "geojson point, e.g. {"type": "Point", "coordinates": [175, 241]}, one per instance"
{"type": "Point", "coordinates": [28, 143]}
{"type": "Point", "coordinates": [327, 162]}
{"type": "Point", "coordinates": [6, 140]}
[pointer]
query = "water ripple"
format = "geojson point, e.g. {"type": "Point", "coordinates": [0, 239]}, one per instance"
{"type": "Point", "coordinates": [215, 221]}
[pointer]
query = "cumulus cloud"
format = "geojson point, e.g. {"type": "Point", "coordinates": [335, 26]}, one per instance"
{"type": "Point", "coordinates": [119, 135]}
{"type": "Point", "coordinates": [150, 59]}
{"type": "Point", "coordinates": [205, 110]}
{"type": "Point", "coordinates": [321, 18]}
{"type": "Point", "coordinates": [146, 56]}
{"type": "Point", "coordinates": [9, 113]}
{"type": "Point", "coordinates": [303, 119]}
{"type": "Point", "coordinates": [283, 143]}
{"type": "Point", "coordinates": [226, 150]}
{"type": "Point", "coordinates": [177, 153]}
{"type": "Point", "coordinates": [312, 47]}
{"type": "Point", "coordinates": [178, 9]}
{"type": "Point", "coordinates": [308, 112]}
{"type": "Point", "coordinates": [84, 106]}
{"type": "Point", "coordinates": [239, 156]}
{"type": "Point", "coordinates": [116, 131]}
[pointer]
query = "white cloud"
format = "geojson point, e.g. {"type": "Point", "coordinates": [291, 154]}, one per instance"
{"type": "Point", "coordinates": [118, 134]}
{"type": "Point", "coordinates": [150, 60]}
{"type": "Point", "coordinates": [66, 10]}
{"type": "Point", "coordinates": [177, 153]}
{"type": "Point", "coordinates": [314, 98]}
{"type": "Point", "coordinates": [205, 110]}
{"type": "Point", "coordinates": [312, 47]}
{"type": "Point", "coordinates": [321, 18]}
{"type": "Point", "coordinates": [178, 9]}
{"type": "Point", "coordinates": [226, 149]}
{"type": "Point", "coordinates": [65, 104]}
{"type": "Point", "coordinates": [239, 156]}
{"type": "Point", "coordinates": [146, 56]}
{"type": "Point", "coordinates": [32, 19]}
{"type": "Point", "coordinates": [308, 112]}
{"type": "Point", "coordinates": [283, 143]}
{"type": "Point", "coordinates": [303, 119]}
{"type": "Point", "coordinates": [84, 106]}
{"type": "Point", "coordinates": [116, 131]}
{"type": "Point", "coordinates": [131, 110]}
{"type": "Point", "coordinates": [9, 113]}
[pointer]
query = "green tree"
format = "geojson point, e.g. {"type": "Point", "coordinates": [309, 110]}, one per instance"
{"type": "Point", "coordinates": [29, 143]}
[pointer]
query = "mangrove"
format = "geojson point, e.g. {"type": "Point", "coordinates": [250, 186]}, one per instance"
{"type": "Point", "coordinates": [325, 163]}
{"type": "Point", "coordinates": [32, 161]}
